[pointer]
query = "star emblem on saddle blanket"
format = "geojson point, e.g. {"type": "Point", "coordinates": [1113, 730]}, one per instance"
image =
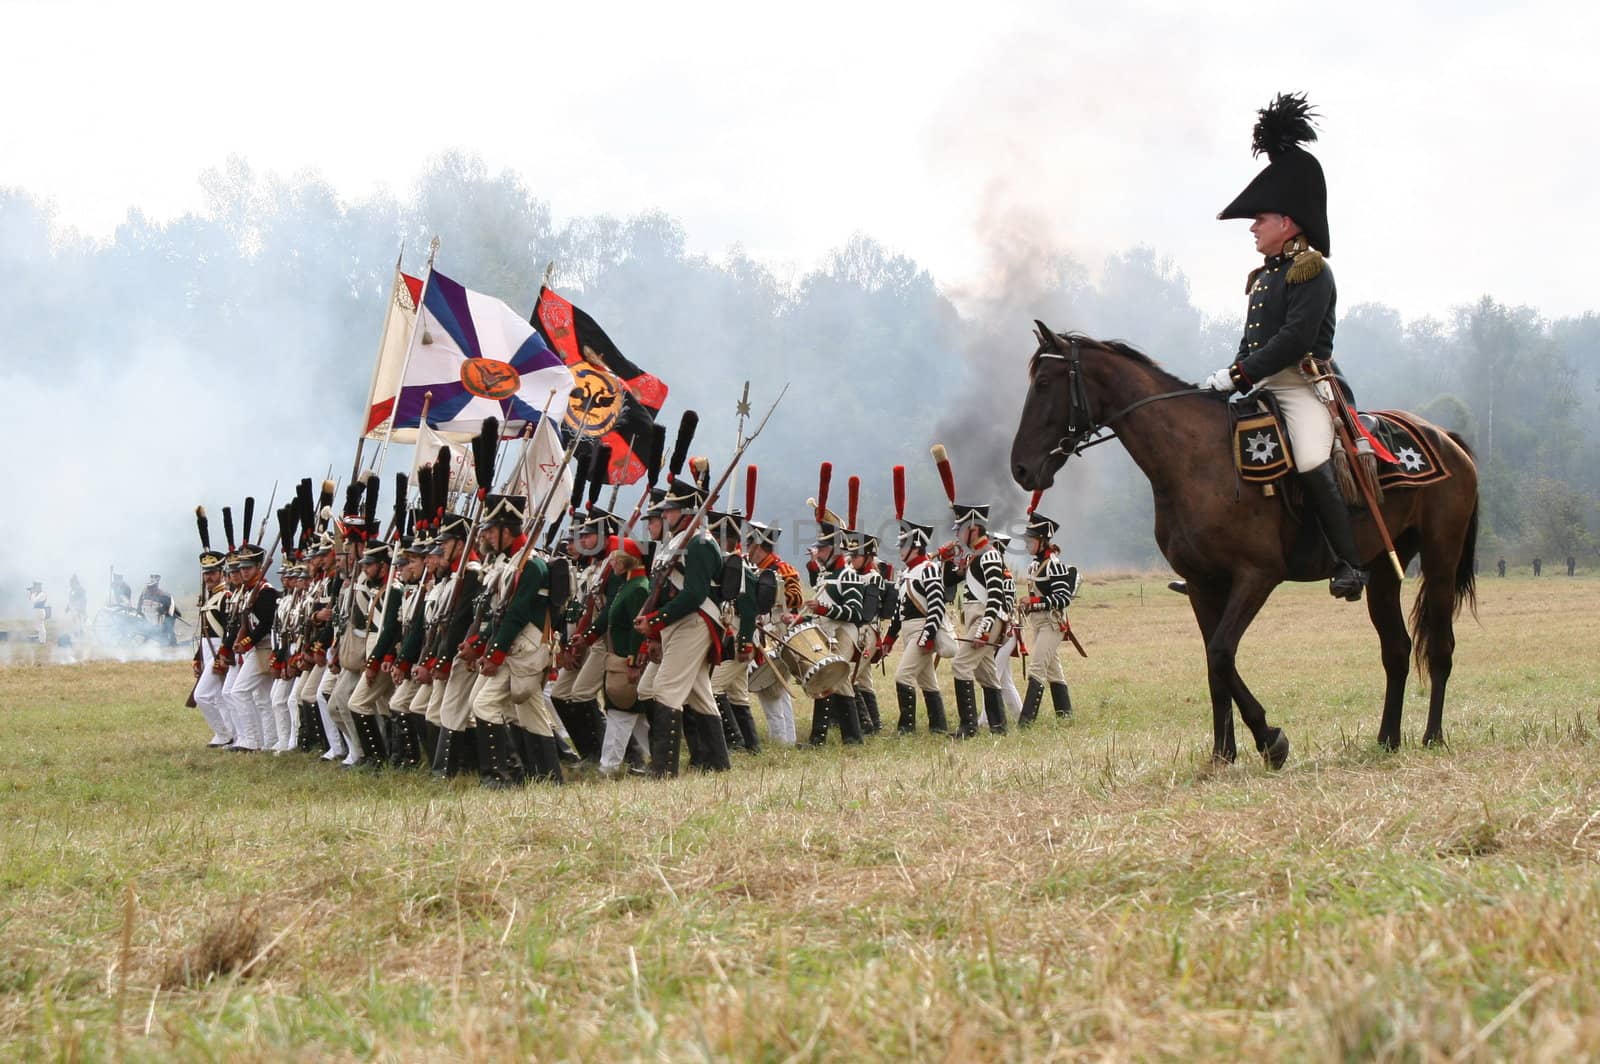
{"type": "Point", "coordinates": [1410, 459]}
{"type": "Point", "coordinates": [1263, 448]}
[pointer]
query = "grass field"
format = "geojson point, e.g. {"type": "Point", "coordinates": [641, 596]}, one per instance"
{"type": "Point", "coordinates": [1093, 890]}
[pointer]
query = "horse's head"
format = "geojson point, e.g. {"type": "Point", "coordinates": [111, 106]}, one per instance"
{"type": "Point", "coordinates": [1056, 417]}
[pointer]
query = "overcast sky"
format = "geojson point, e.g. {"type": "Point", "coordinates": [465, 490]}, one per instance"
{"type": "Point", "coordinates": [1458, 138]}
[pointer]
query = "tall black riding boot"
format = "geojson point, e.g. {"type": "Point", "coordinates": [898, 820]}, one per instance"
{"type": "Point", "coordinates": [713, 743]}
{"type": "Point", "coordinates": [597, 726]}
{"type": "Point", "coordinates": [1061, 698]}
{"type": "Point", "coordinates": [842, 708]}
{"type": "Point", "coordinates": [819, 722]}
{"type": "Point", "coordinates": [994, 707]}
{"type": "Point", "coordinates": [567, 753]}
{"type": "Point", "coordinates": [523, 739]}
{"type": "Point", "coordinates": [374, 751]}
{"type": "Point", "coordinates": [499, 763]}
{"type": "Point", "coordinates": [442, 755]}
{"type": "Point", "coordinates": [966, 709]}
{"type": "Point", "coordinates": [692, 738]}
{"type": "Point", "coordinates": [1322, 491]}
{"type": "Point", "coordinates": [665, 732]}
{"type": "Point", "coordinates": [937, 724]}
{"type": "Point", "coordinates": [747, 726]}
{"type": "Point", "coordinates": [863, 715]}
{"type": "Point", "coordinates": [1031, 701]}
{"type": "Point", "coordinates": [732, 736]}
{"type": "Point", "coordinates": [430, 737]}
{"type": "Point", "coordinates": [546, 767]}
{"type": "Point", "coordinates": [320, 742]}
{"type": "Point", "coordinates": [304, 736]}
{"type": "Point", "coordinates": [401, 740]}
{"type": "Point", "coordinates": [869, 698]}
{"type": "Point", "coordinates": [573, 722]}
{"type": "Point", "coordinates": [906, 696]}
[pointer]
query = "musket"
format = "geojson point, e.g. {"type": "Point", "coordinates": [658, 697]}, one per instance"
{"type": "Point", "coordinates": [1342, 423]}
{"type": "Point", "coordinates": [264, 517]}
{"type": "Point", "coordinates": [669, 555]}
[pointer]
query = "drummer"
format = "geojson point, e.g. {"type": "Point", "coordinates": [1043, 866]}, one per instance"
{"type": "Point", "coordinates": [837, 606]}
{"type": "Point", "coordinates": [768, 680]}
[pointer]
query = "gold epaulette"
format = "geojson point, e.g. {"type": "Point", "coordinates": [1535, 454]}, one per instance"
{"type": "Point", "coordinates": [1307, 264]}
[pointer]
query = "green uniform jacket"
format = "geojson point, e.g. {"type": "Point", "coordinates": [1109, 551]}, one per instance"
{"type": "Point", "coordinates": [702, 563]}
{"type": "Point", "coordinates": [415, 629]}
{"type": "Point", "coordinates": [626, 599]}
{"type": "Point", "coordinates": [389, 634]}
{"type": "Point", "coordinates": [528, 605]}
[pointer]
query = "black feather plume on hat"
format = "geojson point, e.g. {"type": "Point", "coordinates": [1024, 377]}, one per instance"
{"type": "Point", "coordinates": [424, 495]}
{"type": "Point", "coordinates": [369, 501]}
{"type": "Point", "coordinates": [204, 527]}
{"type": "Point", "coordinates": [484, 446]}
{"type": "Point", "coordinates": [325, 496]}
{"type": "Point", "coordinates": [288, 517]}
{"type": "Point", "coordinates": [1287, 122]}
{"type": "Point", "coordinates": [249, 516]}
{"type": "Point", "coordinates": [227, 527]}
{"type": "Point", "coordinates": [397, 523]}
{"type": "Point", "coordinates": [352, 498]}
{"type": "Point", "coordinates": [441, 486]}
{"type": "Point", "coordinates": [681, 445]}
{"type": "Point", "coordinates": [657, 451]}
{"type": "Point", "coordinates": [305, 512]}
{"type": "Point", "coordinates": [599, 472]}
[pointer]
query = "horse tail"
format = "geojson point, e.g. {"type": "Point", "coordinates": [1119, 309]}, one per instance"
{"type": "Point", "coordinates": [1426, 618]}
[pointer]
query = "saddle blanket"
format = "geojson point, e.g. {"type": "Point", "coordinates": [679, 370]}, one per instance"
{"type": "Point", "coordinates": [1261, 449]}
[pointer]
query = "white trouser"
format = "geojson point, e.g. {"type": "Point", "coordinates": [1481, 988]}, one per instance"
{"type": "Point", "coordinates": [1306, 419]}
{"type": "Point", "coordinates": [1008, 683]}
{"type": "Point", "coordinates": [621, 725]}
{"type": "Point", "coordinates": [778, 707]}
{"type": "Point", "coordinates": [207, 693]}
{"type": "Point", "coordinates": [336, 741]}
{"type": "Point", "coordinates": [281, 689]}
{"type": "Point", "coordinates": [251, 707]}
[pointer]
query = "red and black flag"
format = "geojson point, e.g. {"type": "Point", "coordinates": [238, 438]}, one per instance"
{"type": "Point", "coordinates": [626, 399]}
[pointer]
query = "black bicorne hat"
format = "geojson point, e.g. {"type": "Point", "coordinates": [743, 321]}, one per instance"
{"type": "Point", "coordinates": [1292, 182]}
{"type": "Point", "coordinates": [1041, 527]}
{"type": "Point", "coordinates": [766, 535]}
{"type": "Point", "coordinates": [505, 511]}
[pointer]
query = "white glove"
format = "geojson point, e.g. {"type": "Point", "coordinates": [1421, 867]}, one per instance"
{"type": "Point", "coordinates": [1220, 381]}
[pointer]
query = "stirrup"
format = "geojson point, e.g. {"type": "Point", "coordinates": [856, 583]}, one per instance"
{"type": "Point", "coordinates": [1347, 582]}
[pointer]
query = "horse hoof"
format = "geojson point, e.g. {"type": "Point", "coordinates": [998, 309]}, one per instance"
{"type": "Point", "coordinates": [1436, 739]}
{"type": "Point", "coordinates": [1277, 750]}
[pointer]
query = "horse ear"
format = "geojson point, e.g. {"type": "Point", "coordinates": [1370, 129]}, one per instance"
{"type": "Point", "coordinates": [1047, 336]}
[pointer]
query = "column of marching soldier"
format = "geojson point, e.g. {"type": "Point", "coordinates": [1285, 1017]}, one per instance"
{"type": "Point", "coordinates": [453, 641]}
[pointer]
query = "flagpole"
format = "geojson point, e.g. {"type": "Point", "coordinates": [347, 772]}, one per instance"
{"type": "Point", "coordinates": [361, 437]}
{"type": "Point", "coordinates": [427, 280]}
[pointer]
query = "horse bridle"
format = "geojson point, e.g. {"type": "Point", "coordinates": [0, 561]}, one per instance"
{"type": "Point", "coordinates": [1077, 440]}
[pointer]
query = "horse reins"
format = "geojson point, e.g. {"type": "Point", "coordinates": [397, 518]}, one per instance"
{"type": "Point", "coordinates": [1076, 441]}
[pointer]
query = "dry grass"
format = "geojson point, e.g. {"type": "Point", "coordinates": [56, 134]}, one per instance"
{"type": "Point", "coordinates": [1097, 890]}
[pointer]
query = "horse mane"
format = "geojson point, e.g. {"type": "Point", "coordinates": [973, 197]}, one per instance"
{"type": "Point", "coordinates": [1128, 351]}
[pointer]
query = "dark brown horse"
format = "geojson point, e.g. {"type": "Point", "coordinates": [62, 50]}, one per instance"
{"type": "Point", "coordinates": [1232, 543]}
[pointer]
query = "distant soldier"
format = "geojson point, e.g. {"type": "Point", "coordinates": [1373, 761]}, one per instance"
{"type": "Point", "coordinates": [1049, 588]}
{"type": "Point", "coordinates": [686, 624]}
{"type": "Point", "coordinates": [920, 605]}
{"type": "Point", "coordinates": [837, 605]}
{"type": "Point", "coordinates": [877, 596]}
{"type": "Point", "coordinates": [41, 610]}
{"type": "Point", "coordinates": [77, 604]}
{"type": "Point", "coordinates": [984, 617]}
{"type": "Point", "coordinates": [1501, 565]}
{"type": "Point", "coordinates": [121, 593]}
{"type": "Point", "coordinates": [736, 597]}
{"type": "Point", "coordinates": [161, 611]}
{"type": "Point", "coordinates": [210, 608]}
{"type": "Point", "coordinates": [624, 593]}
{"type": "Point", "coordinates": [1538, 566]}
{"type": "Point", "coordinates": [1572, 566]}
{"type": "Point", "coordinates": [782, 583]}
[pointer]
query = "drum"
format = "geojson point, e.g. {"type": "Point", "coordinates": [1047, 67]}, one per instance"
{"type": "Point", "coordinates": [809, 656]}
{"type": "Point", "coordinates": [767, 673]}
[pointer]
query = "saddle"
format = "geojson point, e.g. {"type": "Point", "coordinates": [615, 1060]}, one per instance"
{"type": "Point", "coordinates": [1262, 454]}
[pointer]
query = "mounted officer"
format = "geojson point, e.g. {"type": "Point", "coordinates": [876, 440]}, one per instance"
{"type": "Point", "coordinates": [1290, 318]}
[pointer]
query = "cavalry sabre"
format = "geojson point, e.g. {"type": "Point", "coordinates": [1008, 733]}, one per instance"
{"type": "Point", "coordinates": [1342, 418]}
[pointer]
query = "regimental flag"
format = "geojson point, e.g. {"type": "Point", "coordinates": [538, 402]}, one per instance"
{"type": "Point", "coordinates": [463, 477]}
{"type": "Point", "coordinates": [473, 357]}
{"type": "Point", "coordinates": [539, 469]}
{"type": "Point", "coordinates": [626, 398]}
{"type": "Point", "coordinates": [397, 324]}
